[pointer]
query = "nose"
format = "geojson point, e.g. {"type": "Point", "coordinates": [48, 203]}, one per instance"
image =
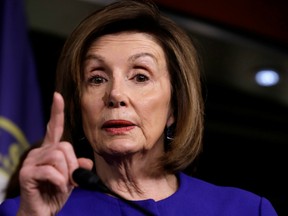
{"type": "Point", "coordinates": [117, 97]}
{"type": "Point", "coordinates": [114, 103]}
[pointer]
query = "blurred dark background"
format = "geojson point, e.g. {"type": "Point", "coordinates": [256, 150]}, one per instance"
{"type": "Point", "coordinates": [246, 124]}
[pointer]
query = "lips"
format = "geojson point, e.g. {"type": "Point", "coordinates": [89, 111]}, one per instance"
{"type": "Point", "coordinates": [118, 126]}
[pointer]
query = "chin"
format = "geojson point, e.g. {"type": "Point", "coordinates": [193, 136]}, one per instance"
{"type": "Point", "coordinates": [120, 149]}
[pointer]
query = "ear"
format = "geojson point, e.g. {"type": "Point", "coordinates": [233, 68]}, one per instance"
{"type": "Point", "coordinates": [170, 119]}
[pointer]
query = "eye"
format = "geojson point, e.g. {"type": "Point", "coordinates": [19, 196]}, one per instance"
{"type": "Point", "coordinates": [97, 80]}
{"type": "Point", "coordinates": [140, 78]}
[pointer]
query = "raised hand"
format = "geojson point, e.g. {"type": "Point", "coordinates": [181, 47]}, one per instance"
{"type": "Point", "coordinates": [46, 174]}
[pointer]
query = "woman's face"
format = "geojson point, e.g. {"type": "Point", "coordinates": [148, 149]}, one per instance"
{"type": "Point", "coordinates": [126, 92]}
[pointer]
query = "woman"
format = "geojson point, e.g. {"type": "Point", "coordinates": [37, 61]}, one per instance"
{"type": "Point", "coordinates": [130, 81]}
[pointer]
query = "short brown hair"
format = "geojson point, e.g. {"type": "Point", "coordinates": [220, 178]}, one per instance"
{"type": "Point", "coordinates": [183, 66]}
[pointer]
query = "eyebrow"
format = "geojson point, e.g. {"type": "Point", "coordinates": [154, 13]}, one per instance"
{"type": "Point", "coordinates": [130, 59]}
{"type": "Point", "coordinates": [139, 55]}
{"type": "Point", "coordinates": [94, 57]}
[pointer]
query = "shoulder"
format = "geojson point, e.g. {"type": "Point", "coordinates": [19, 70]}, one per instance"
{"type": "Point", "coordinates": [9, 207]}
{"type": "Point", "coordinates": [80, 202]}
{"type": "Point", "coordinates": [224, 198]}
{"type": "Point", "coordinates": [204, 187]}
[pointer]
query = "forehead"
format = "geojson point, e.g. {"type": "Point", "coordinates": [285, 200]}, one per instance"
{"type": "Point", "coordinates": [127, 42]}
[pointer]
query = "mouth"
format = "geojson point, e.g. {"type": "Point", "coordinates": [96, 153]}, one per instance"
{"type": "Point", "coordinates": [118, 126]}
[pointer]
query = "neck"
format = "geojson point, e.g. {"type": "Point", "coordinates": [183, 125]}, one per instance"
{"type": "Point", "coordinates": [131, 178]}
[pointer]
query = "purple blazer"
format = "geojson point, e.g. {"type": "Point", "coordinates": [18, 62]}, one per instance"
{"type": "Point", "coordinates": [193, 198]}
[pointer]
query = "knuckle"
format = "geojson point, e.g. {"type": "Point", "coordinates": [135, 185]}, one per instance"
{"type": "Point", "coordinates": [57, 155]}
{"type": "Point", "coordinates": [66, 146]}
{"type": "Point", "coordinates": [23, 173]}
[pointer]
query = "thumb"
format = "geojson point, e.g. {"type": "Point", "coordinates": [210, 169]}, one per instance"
{"type": "Point", "coordinates": [85, 163]}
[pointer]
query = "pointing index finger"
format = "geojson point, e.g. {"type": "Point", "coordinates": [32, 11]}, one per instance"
{"type": "Point", "coordinates": [55, 125]}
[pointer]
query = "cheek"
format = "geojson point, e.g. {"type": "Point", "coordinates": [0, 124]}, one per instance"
{"type": "Point", "coordinates": [155, 107]}
{"type": "Point", "coordinates": [89, 109]}
{"type": "Point", "coordinates": [154, 120]}
{"type": "Point", "coordinates": [154, 113]}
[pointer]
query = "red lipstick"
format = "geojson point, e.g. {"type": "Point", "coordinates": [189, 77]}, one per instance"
{"type": "Point", "coordinates": [118, 126]}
